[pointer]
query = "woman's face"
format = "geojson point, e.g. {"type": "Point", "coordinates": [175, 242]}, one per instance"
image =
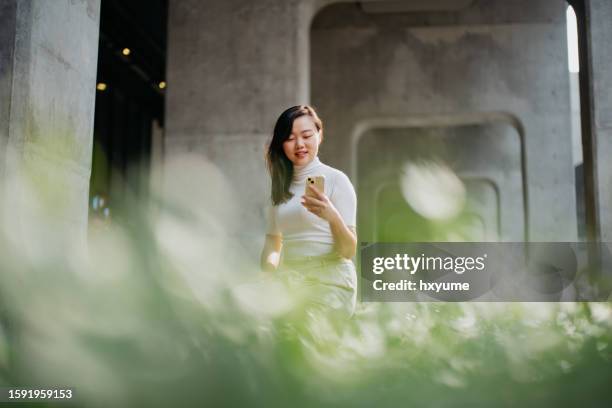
{"type": "Point", "coordinates": [302, 145]}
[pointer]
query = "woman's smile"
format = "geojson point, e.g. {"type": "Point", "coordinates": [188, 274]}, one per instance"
{"type": "Point", "coordinates": [302, 145]}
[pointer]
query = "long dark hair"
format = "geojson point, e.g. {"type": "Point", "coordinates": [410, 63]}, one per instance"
{"type": "Point", "coordinates": [279, 165]}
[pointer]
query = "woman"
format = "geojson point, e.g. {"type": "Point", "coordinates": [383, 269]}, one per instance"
{"type": "Point", "coordinates": [310, 238]}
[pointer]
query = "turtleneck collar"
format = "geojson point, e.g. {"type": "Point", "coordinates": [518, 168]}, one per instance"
{"type": "Point", "coordinates": [301, 172]}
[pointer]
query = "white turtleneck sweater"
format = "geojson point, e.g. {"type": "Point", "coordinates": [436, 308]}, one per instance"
{"type": "Point", "coordinates": [304, 233]}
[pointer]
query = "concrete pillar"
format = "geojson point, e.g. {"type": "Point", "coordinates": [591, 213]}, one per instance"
{"type": "Point", "coordinates": [233, 67]}
{"type": "Point", "coordinates": [48, 56]}
{"type": "Point", "coordinates": [599, 33]}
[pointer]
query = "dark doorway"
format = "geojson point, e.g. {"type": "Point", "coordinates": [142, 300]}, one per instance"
{"type": "Point", "coordinates": [129, 115]}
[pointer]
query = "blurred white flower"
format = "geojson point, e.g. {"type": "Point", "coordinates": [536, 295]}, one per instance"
{"type": "Point", "coordinates": [433, 190]}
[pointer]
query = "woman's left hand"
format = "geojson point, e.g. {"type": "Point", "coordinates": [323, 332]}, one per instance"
{"type": "Point", "coordinates": [319, 205]}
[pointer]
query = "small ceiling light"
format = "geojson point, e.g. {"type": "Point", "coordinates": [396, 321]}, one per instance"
{"type": "Point", "coordinates": [162, 85]}
{"type": "Point", "coordinates": [101, 86]}
{"type": "Point", "coordinates": [126, 51]}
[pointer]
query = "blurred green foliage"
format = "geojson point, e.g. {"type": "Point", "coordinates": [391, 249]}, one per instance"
{"type": "Point", "coordinates": [163, 308]}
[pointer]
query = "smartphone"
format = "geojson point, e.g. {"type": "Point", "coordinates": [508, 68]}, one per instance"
{"type": "Point", "coordinates": [318, 182]}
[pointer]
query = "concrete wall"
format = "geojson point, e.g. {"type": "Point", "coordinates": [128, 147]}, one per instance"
{"type": "Point", "coordinates": [48, 61]}
{"type": "Point", "coordinates": [491, 57]}
{"type": "Point", "coordinates": [234, 65]}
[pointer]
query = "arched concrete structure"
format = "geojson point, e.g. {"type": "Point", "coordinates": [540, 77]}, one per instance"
{"type": "Point", "coordinates": [234, 65]}
{"type": "Point", "coordinates": [509, 181]}
{"type": "Point", "coordinates": [488, 57]}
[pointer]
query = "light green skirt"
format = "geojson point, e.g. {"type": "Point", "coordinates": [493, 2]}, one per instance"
{"type": "Point", "coordinates": [329, 282]}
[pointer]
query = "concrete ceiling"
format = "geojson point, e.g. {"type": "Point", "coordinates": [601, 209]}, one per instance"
{"type": "Point", "coordinates": [407, 6]}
